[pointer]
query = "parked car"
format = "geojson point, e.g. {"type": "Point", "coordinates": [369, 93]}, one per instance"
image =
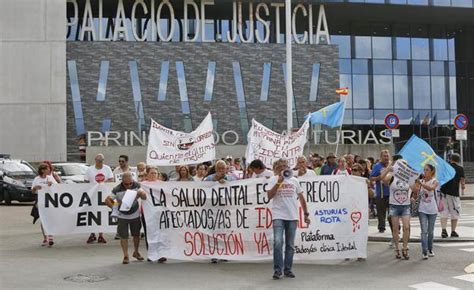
{"type": "Point", "coordinates": [16, 177]}
{"type": "Point", "coordinates": [71, 172]}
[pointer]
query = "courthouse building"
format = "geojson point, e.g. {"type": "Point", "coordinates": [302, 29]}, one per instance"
{"type": "Point", "coordinates": [124, 62]}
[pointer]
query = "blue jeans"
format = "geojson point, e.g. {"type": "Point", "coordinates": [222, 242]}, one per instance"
{"type": "Point", "coordinates": [427, 223]}
{"type": "Point", "coordinates": [288, 228]}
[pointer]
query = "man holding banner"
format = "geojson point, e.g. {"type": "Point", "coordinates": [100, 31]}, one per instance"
{"type": "Point", "coordinates": [284, 192]}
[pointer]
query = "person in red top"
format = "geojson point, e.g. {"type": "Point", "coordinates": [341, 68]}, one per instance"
{"type": "Point", "coordinates": [341, 168]}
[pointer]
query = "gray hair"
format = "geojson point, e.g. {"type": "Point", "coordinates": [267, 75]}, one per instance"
{"type": "Point", "coordinates": [127, 175]}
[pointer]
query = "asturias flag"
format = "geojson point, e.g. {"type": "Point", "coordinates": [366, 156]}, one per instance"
{"type": "Point", "coordinates": [418, 153]}
{"type": "Point", "coordinates": [331, 115]}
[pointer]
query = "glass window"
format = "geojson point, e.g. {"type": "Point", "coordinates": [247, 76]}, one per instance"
{"type": "Point", "coordinates": [360, 91]}
{"type": "Point", "coordinates": [382, 67]}
{"type": "Point", "coordinates": [421, 92]}
{"type": "Point", "coordinates": [360, 66]}
{"type": "Point", "coordinates": [438, 92]}
{"type": "Point", "coordinates": [461, 3]}
{"type": "Point", "coordinates": [442, 3]}
{"type": "Point", "coordinates": [344, 42]}
{"type": "Point", "coordinates": [442, 117]}
{"type": "Point", "coordinates": [452, 93]}
{"type": "Point", "coordinates": [400, 67]}
{"type": "Point", "coordinates": [345, 80]}
{"type": "Point", "coordinates": [420, 48]}
{"type": "Point", "coordinates": [402, 48]}
{"type": "Point", "coordinates": [344, 66]}
{"type": "Point", "coordinates": [405, 116]}
{"type": "Point", "coordinates": [347, 117]}
{"type": "Point", "coordinates": [375, 1]}
{"type": "Point", "coordinates": [451, 49]}
{"type": "Point", "coordinates": [383, 92]}
{"type": "Point", "coordinates": [400, 86]}
{"type": "Point", "coordinates": [382, 47]}
{"type": "Point", "coordinates": [402, 2]}
{"type": "Point", "coordinates": [452, 68]}
{"type": "Point", "coordinates": [417, 2]}
{"type": "Point", "coordinates": [379, 116]}
{"type": "Point", "coordinates": [440, 49]}
{"type": "Point", "coordinates": [452, 114]}
{"type": "Point", "coordinates": [420, 68]}
{"type": "Point", "coordinates": [364, 117]}
{"type": "Point", "coordinates": [363, 47]}
{"type": "Point", "coordinates": [437, 68]}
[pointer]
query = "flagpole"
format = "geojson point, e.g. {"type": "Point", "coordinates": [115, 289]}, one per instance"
{"type": "Point", "coordinates": [289, 68]}
{"type": "Point", "coordinates": [340, 127]}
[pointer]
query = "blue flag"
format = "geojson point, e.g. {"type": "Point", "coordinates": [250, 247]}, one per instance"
{"type": "Point", "coordinates": [331, 115]}
{"type": "Point", "coordinates": [418, 153]}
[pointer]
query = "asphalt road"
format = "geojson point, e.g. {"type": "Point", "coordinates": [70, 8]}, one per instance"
{"type": "Point", "coordinates": [25, 264]}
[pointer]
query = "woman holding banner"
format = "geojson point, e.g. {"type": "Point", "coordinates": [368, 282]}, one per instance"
{"type": "Point", "coordinates": [44, 178]}
{"type": "Point", "coordinates": [428, 209]}
{"type": "Point", "coordinates": [399, 206]}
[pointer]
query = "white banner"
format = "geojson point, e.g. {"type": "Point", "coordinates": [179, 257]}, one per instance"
{"type": "Point", "coordinates": [75, 209]}
{"type": "Point", "coordinates": [405, 173]}
{"type": "Point", "coordinates": [169, 147]}
{"type": "Point", "coordinates": [268, 146]}
{"type": "Point", "coordinates": [194, 221]}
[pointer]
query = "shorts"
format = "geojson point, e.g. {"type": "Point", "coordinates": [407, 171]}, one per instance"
{"type": "Point", "coordinates": [399, 210]}
{"type": "Point", "coordinates": [123, 225]}
{"type": "Point", "coordinates": [452, 207]}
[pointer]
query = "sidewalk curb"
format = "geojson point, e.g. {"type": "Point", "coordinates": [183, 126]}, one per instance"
{"type": "Point", "coordinates": [417, 240]}
{"type": "Point", "coordinates": [467, 197]}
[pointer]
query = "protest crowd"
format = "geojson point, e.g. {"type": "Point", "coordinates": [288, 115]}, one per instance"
{"type": "Point", "coordinates": [390, 199]}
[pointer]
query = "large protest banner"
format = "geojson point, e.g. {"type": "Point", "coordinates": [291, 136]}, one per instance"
{"type": "Point", "coordinates": [75, 208]}
{"type": "Point", "coordinates": [192, 221]}
{"type": "Point", "coordinates": [170, 147]}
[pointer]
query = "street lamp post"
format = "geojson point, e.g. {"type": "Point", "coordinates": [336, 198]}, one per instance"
{"type": "Point", "coordinates": [289, 68]}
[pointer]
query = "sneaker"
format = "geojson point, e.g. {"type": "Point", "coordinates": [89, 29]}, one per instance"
{"type": "Point", "coordinates": [162, 260]}
{"type": "Point", "coordinates": [381, 231]}
{"type": "Point", "coordinates": [454, 234]}
{"type": "Point", "coordinates": [444, 234]}
{"type": "Point", "coordinates": [214, 260]}
{"type": "Point", "coordinates": [91, 239]}
{"type": "Point", "coordinates": [290, 274]}
{"type": "Point", "coordinates": [431, 254]}
{"type": "Point", "coordinates": [425, 256]}
{"type": "Point", "coordinates": [44, 243]}
{"type": "Point", "coordinates": [101, 240]}
{"type": "Point", "coordinates": [50, 241]}
{"type": "Point", "coordinates": [276, 275]}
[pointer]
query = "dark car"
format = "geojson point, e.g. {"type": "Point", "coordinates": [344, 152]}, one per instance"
{"type": "Point", "coordinates": [16, 177]}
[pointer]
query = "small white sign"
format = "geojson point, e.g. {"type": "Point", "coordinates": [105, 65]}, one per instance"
{"type": "Point", "coordinates": [395, 133]}
{"type": "Point", "coordinates": [461, 135]}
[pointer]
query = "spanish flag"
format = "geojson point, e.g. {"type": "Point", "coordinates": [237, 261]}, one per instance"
{"type": "Point", "coordinates": [342, 91]}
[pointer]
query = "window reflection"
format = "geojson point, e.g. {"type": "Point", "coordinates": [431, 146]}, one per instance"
{"type": "Point", "coordinates": [344, 44]}
{"type": "Point", "coordinates": [360, 91]}
{"type": "Point", "coordinates": [420, 68]}
{"type": "Point", "coordinates": [400, 86]}
{"type": "Point", "coordinates": [417, 2]}
{"type": "Point", "coordinates": [103, 75]}
{"type": "Point", "coordinates": [360, 66]}
{"type": "Point", "coordinates": [76, 97]}
{"type": "Point", "coordinates": [313, 93]}
{"type": "Point", "coordinates": [382, 67]}
{"type": "Point", "coordinates": [267, 68]}
{"type": "Point", "coordinates": [345, 81]}
{"type": "Point", "coordinates": [438, 92]}
{"type": "Point", "coordinates": [383, 92]}
{"type": "Point", "coordinates": [421, 92]}
{"type": "Point", "coordinates": [382, 47]}
{"type": "Point", "coordinates": [403, 48]}
{"type": "Point", "coordinates": [363, 47]}
{"type": "Point", "coordinates": [440, 49]}
{"type": "Point", "coordinates": [400, 67]}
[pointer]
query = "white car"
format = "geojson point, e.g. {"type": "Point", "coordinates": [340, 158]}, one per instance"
{"type": "Point", "coordinates": [71, 172]}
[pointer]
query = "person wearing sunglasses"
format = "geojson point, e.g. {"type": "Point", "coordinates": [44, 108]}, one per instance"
{"type": "Point", "coordinates": [128, 218]}
{"type": "Point", "coordinates": [122, 168]}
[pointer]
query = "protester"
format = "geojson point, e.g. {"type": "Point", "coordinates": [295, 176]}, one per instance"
{"type": "Point", "coordinates": [259, 169]}
{"type": "Point", "coordinates": [184, 174]}
{"type": "Point", "coordinates": [382, 192]}
{"type": "Point", "coordinates": [452, 202]}
{"type": "Point", "coordinates": [285, 193]}
{"type": "Point", "coordinates": [51, 171]}
{"type": "Point", "coordinates": [302, 169]}
{"type": "Point", "coordinates": [330, 165]}
{"type": "Point", "coordinates": [98, 173]}
{"type": "Point", "coordinates": [370, 162]}
{"type": "Point", "coordinates": [341, 168]}
{"type": "Point", "coordinates": [317, 164]}
{"type": "Point", "coordinates": [141, 171]}
{"type": "Point", "coordinates": [238, 164]}
{"type": "Point", "coordinates": [399, 208]}
{"type": "Point", "coordinates": [221, 174]}
{"type": "Point", "coordinates": [428, 209]}
{"type": "Point", "coordinates": [122, 168]}
{"type": "Point", "coordinates": [44, 178]}
{"type": "Point", "coordinates": [127, 219]}
{"type": "Point", "coordinates": [174, 174]}
{"type": "Point", "coordinates": [357, 158]}
{"type": "Point", "coordinates": [349, 160]}
{"type": "Point", "coordinates": [201, 172]}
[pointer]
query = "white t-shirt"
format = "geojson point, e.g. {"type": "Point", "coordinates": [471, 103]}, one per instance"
{"type": "Point", "coordinates": [309, 173]}
{"type": "Point", "coordinates": [118, 172]}
{"type": "Point", "coordinates": [399, 192]}
{"type": "Point", "coordinates": [94, 175]}
{"type": "Point", "coordinates": [285, 201]}
{"type": "Point", "coordinates": [266, 173]}
{"type": "Point", "coordinates": [196, 178]}
{"type": "Point", "coordinates": [428, 201]}
{"type": "Point", "coordinates": [43, 181]}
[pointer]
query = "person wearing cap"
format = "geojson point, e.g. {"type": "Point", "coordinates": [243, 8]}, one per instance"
{"type": "Point", "coordinates": [330, 165]}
